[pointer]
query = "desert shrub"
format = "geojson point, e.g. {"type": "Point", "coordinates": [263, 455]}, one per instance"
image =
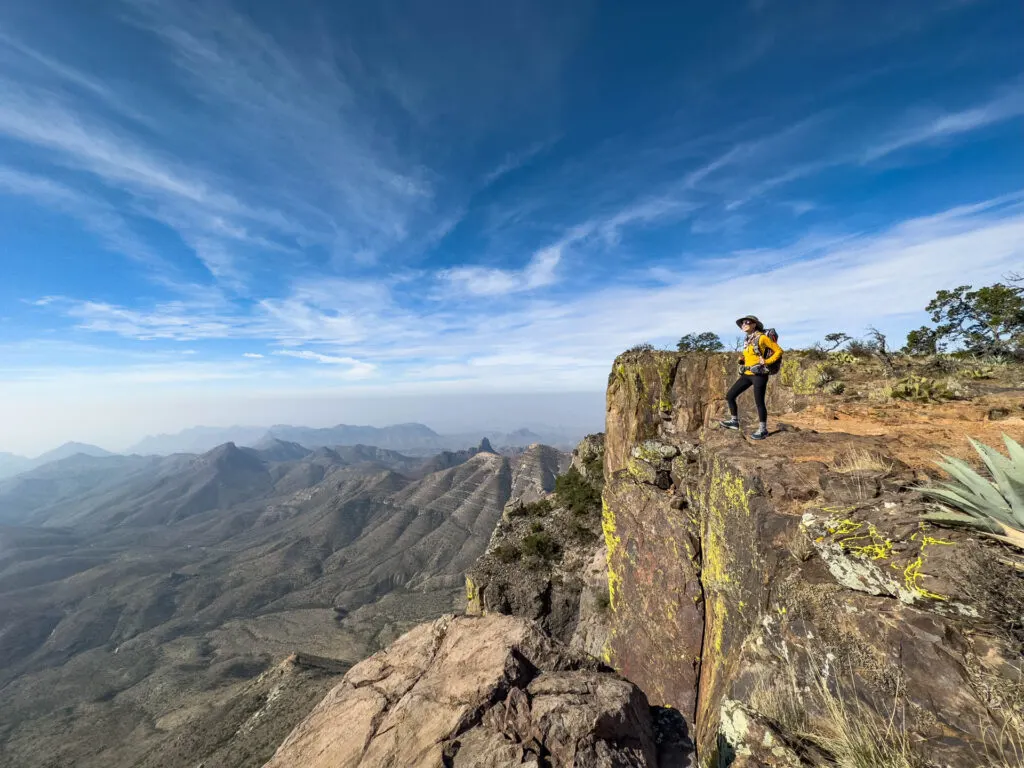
{"type": "Point", "coordinates": [992, 505]}
{"type": "Point", "coordinates": [920, 390]}
{"type": "Point", "coordinates": [860, 349]}
{"type": "Point", "coordinates": [537, 527]}
{"type": "Point", "coordinates": [537, 508]}
{"type": "Point", "coordinates": [540, 544]}
{"type": "Point", "coordinates": [943, 364]}
{"type": "Point", "coordinates": [835, 388]}
{"type": "Point", "coordinates": [816, 352]}
{"type": "Point", "coordinates": [645, 347]}
{"type": "Point", "coordinates": [700, 342]}
{"type": "Point", "coordinates": [574, 493]}
{"type": "Point", "coordinates": [507, 552]}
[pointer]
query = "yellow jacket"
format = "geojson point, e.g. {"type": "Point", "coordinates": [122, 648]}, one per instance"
{"type": "Point", "coordinates": [768, 349]}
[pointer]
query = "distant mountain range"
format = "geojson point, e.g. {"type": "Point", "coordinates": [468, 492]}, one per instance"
{"type": "Point", "coordinates": [138, 592]}
{"type": "Point", "coordinates": [411, 439]}
{"type": "Point", "coordinates": [11, 464]}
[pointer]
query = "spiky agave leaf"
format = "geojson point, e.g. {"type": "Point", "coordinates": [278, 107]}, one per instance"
{"type": "Point", "coordinates": [987, 496]}
{"type": "Point", "coordinates": [948, 517]}
{"type": "Point", "coordinates": [1002, 470]}
{"type": "Point", "coordinates": [1016, 454]}
{"type": "Point", "coordinates": [955, 495]}
{"type": "Point", "coordinates": [993, 507]}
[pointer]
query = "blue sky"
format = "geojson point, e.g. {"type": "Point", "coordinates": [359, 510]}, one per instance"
{"type": "Point", "coordinates": [225, 203]}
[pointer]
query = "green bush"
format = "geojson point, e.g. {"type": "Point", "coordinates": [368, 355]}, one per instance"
{"type": "Point", "coordinates": [645, 347]}
{"type": "Point", "coordinates": [537, 508]}
{"type": "Point", "coordinates": [507, 553]}
{"type": "Point", "coordinates": [700, 342]}
{"type": "Point", "coordinates": [574, 493]}
{"type": "Point", "coordinates": [860, 349]}
{"type": "Point", "coordinates": [835, 388]}
{"type": "Point", "coordinates": [541, 545]}
{"type": "Point", "coordinates": [537, 527]}
{"type": "Point", "coordinates": [996, 506]}
{"type": "Point", "coordinates": [815, 352]}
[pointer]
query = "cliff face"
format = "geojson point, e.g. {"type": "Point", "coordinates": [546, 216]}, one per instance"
{"type": "Point", "coordinates": [781, 602]}
{"type": "Point", "coordinates": [541, 562]}
{"type": "Point", "coordinates": [778, 593]}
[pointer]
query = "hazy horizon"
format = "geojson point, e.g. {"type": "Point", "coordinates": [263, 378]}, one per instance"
{"type": "Point", "coordinates": [452, 414]}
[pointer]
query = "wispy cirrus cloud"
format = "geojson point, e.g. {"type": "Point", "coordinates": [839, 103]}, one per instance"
{"type": "Point", "coordinates": [1007, 105]}
{"type": "Point", "coordinates": [356, 369]}
{"type": "Point", "coordinates": [819, 283]}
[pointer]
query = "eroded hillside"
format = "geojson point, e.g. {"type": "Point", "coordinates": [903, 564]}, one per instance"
{"type": "Point", "coordinates": [141, 596]}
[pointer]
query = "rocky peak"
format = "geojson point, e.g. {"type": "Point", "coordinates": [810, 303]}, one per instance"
{"type": "Point", "coordinates": [485, 446]}
{"type": "Point", "coordinates": [535, 472]}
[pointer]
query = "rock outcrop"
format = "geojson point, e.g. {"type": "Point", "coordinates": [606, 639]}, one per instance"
{"type": "Point", "coordinates": [781, 593]}
{"type": "Point", "coordinates": [475, 692]}
{"type": "Point", "coordinates": [541, 562]}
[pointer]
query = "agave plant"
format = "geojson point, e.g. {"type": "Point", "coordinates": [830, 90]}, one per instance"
{"type": "Point", "coordinates": [995, 507]}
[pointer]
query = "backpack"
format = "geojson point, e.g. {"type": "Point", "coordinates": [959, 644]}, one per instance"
{"type": "Point", "coordinates": [772, 334]}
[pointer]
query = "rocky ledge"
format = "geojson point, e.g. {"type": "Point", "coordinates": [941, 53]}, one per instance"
{"type": "Point", "coordinates": [481, 692]}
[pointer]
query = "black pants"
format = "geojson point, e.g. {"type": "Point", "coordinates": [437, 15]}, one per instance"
{"type": "Point", "coordinates": [760, 384]}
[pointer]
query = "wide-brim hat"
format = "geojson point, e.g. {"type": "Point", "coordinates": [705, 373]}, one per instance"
{"type": "Point", "coordinates": [757, 323]}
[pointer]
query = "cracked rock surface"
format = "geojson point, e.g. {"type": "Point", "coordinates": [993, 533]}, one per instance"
{"type": "Point", "coordinates": [477, 692]}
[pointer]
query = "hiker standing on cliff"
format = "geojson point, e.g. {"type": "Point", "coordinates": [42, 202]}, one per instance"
{"type": "Point", "coordinates": [759, 352]}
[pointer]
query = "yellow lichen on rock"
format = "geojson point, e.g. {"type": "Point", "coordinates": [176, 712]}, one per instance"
{"type": "Point", "coordinates": [860, 539]}
{"type": "Point", "coordinates": [912, 574]}
{"type": "Point", "coordinates": [612, 543]}
{"type": "Point", "coordinates": [474, 606]}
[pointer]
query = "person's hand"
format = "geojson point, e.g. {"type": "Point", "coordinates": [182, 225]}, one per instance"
{"type": "Point", "coordinates": [760, 369]}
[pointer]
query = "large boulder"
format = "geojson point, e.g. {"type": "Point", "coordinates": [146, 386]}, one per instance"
{"type": "Point", "coordinates": [475, 692]}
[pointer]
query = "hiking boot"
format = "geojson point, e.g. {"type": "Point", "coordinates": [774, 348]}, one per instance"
{"type": "Point", "coordinates": [761, 434]}
{"type": "Point", "coordinates": [732, 423]}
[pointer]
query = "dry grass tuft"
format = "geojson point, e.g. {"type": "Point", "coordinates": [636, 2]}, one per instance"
{"type": "Point", "coordinates": [862, 460]}
{"type": "Point", "coordinates": [849, 731]}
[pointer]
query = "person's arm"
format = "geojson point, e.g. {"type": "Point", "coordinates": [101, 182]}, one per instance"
{"type": "Point", "coordinates": [770, 346]}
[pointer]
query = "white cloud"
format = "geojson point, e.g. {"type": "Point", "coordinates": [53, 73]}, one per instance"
{"type": "Point", "coordinates": [357, 369]}
{"type": "Point", "coordinates": [1005, 106]}
{"type": "Point", "coordinates": [541, 271]}
{"type": "Point", "coordinates": [254, 355]}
